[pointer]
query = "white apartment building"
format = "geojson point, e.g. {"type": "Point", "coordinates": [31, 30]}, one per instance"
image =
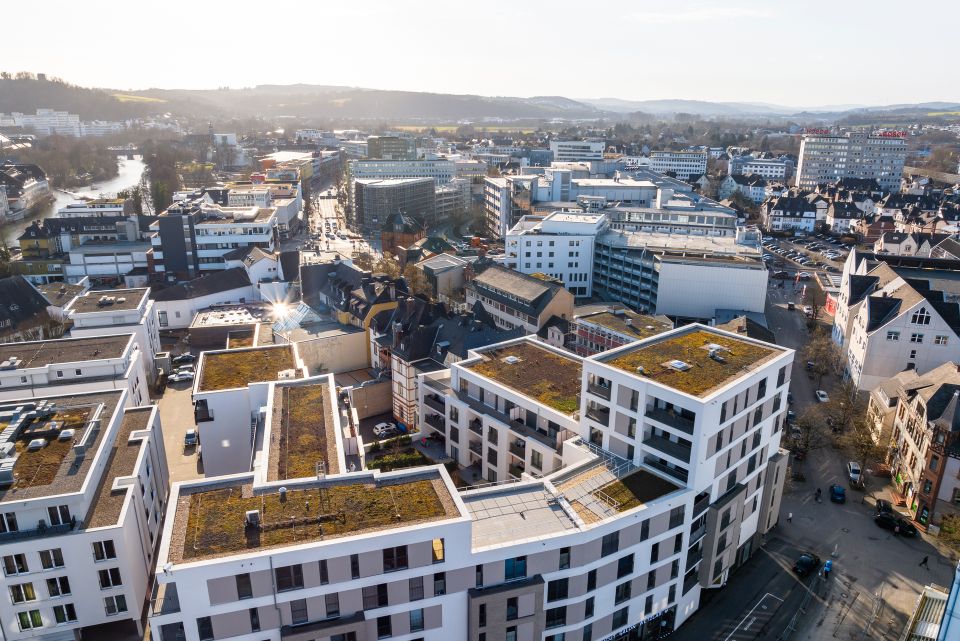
{"type": "Point", "coordinates": [789, 213]}
{"type": "Point", "coordinates": [769, 168]}
{"type": "Point", "coordinates": [559, 245]}
{"type": "Point", "coordinates": [287, 552]}
{"type": "Point", "coordinates": [249, 196]}
{"type": "Point", "coordinates": [682, 163]}
{"type": "Point", "coordinates": [74, 366]}
{"type": "Point", "coordinates": [92, 208]}
{"type": "Point", "coordinates": [83, 489]}
{"type": "Point", "coordinates": [826, 158]}
{"type": "Point", "coordinates": [118, 311]}
{"type": "Point", "coordinates": [576, 150]}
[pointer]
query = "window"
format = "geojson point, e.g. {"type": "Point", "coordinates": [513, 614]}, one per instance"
{"type": "Point", "coordinates": [625, 566]}
{"type": "Point", "coordinates": [648, 605]}
{"type": "Point", "coordinates": [384, 627]}
{"type": "Point", "coordinates": [676, 517]}
{"type": "Point", "coordinates": [254, 620]}
{"type": "Point", "coordinates": [354, 566]}
{"type": "Point", "coordinates": [395, 558]}
{"type": "Point", "coordinates": [110, 578]}
{"type": "Point", "coordinates": [375, 596]}
{"type": "Point", "coordinates": [651, 579]}
{"type": "Point", "coordinates": [59, 514]}
{"type": "Point", "coordinates": [324, 573]}
{"type": "Point", "coordinates": [893, 336]}
{"type": "Point", "coordinates": [557, 589]}
{"type": "Point", "coordinates": [620, 617]}
{"type": "Point", "coordinates": [654, 553]}
{"type": "Point", "coordinates": [591, 580]}
{"type": "Point", "coordinates": [564, 558]}
{"type": "Point", "coordinates": [415, 587]}
{"type": "Point", "coordinates": [675, 569]}
{"type": "Point", "coordinates": [289, 577]}
{"type": "Point", "coordinates": [15, 564]}
{"type": "Point", "coordinates": [514, 569]}
{"type": "Point", "coordinates": [513, 608]}
{"type": "Point", "coordinates": [298, 611]}
{"type": "Point", "coordinates": [439, 583]}
{"type": "Point", "coordinates": [672, 596]}
{"type": "Point", "coordinates": [58, 586]}
{"type": "Point", "coordinates": [244, 589]}
{"type": "Point", "coordinates": [416, 620]}
{"type": "Point", "coordinates": [439, 551]}
{"type": "Point", "coordinates": [29, 619]}
{"type": "Point", "coordinates": [482, 615]}
{"type": "Point", "coordinates": [478, 572]}
{"type": "Point", "coordinates": [940, 340]}
{"type": "Point", "coordinates": [115, 604]}
{"type": "Point", "coordinates": [331, 603]}
{"type": "Point", "coordinates": [587, 633]}
{"type": "Point", "coordinates": [588, 608]}
{"type": "Point", "coordinates": [22, 592]}
{"type": "Point", "coordinates": [610, 544]}
{"type": "Point", "coordinates": [205, 628]}
{"type": "Point", "coordinates": [536, 459]}
{"type": "Point", "coordinates": [622, 593]}
{"type": "Point", "coordinates": [934, 463]}
{"type": "Point", "coordinates": [556, 617]}
{"type": "Point", "coordinates": [921, 317]}
{"type": "Point", "coordinates": [511, 634]}
{"type": "Point", "coordinates": [645, 529]}
{"type": "Point", "coordinates": [9, 522]}
{"type": "Point", "coordinates": [103, 550]}
{"type": "Point", "coordinates": [927, 486]}
{"type": "Point", "coordinates": [916, 338]}
{"type": "Point", "coordinates": [51, 559]}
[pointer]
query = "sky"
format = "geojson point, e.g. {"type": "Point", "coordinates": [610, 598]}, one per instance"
{"type": "Point", "coordinates": [801, 54]}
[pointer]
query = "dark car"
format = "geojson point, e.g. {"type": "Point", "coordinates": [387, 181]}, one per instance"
{"type": "Point", "coordinates": [807, 563]}
{"type": "Point", "coordinates": [884, 506]}
{"type": "Point", "coordinates": [895, 522]}
{"type": "Point", "coordinates": [781, 274]}
{"type": "Point", "coordinates": [186, 357]}
{"type": "Point", "coordinates": [838, 494]}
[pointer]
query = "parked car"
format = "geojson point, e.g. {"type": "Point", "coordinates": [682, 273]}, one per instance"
{"type": "Point", "coordinates": [808, 310]}
{"type": "Point", "coordinates": [179, 377]}
{"type": "Point", "coordinates": [884, 506]}
{"type": "Point", "coordinates": [384, 430]}
{"type": "Point", "coordinates": [895, 522]}
{"type": "Point", "coordinates": [781, 274]}
{"type": "Point", "coordinates": [191, 438]}
{"type": "Point", "coordinates": [807, 563]}
{"type": "Point", "coordinates": [854, 473]}
{"type": "Point", "coordinates": [186, 357]}
{"type": "Point", "coordinates": [822, 397]}
{"type": "Point", "coordinates": [837, 494]}
{"type": "Point", "coordinates": [804, 275]}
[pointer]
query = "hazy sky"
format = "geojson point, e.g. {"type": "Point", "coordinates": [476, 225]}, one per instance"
{"type": "Point", "coordinates": [815, 52]}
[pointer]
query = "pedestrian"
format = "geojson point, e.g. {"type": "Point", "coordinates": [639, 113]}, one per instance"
{"type": "Point", "coordinates": [925, 563]}
{"type": "Point", "coordinates": [789, 517]}
{"type": "Point", "coordinates": [818, 495]}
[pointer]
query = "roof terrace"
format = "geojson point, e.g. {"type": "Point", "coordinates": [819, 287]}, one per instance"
{"type": "Point", "coordinates": [534, 371]}
{"type": "Point", "coordinates": [240, 367]}
{"type": "Point", "coordinates": [302, 432]}
{"type": "Point", "coordinates": [109, 300]}
{"type": "Point", "coordinates": [210, 520]}
{"type": "Point", "coordinates": [694, 361]}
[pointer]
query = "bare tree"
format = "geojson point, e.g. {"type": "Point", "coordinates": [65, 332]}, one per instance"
{"type": "Point", "coordinates": [364, 261]}
{"type": "Point", "coordinates": [859, 441]}
{"type": "Point", "coordinates": [810, 429]}
{"type": "Point", "coordinates": [820, 353]}
{"type": "Point", "coordinates": [417, 281]}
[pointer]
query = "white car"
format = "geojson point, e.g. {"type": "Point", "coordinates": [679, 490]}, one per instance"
{"type": "Point", "coordinates": [383, 430]}
{"type": "Point", "coordinates": [180, 376]}
{"type": "Point", "coordinates": [822, 396]}
{"type": "Point", "coordinates": [854, 473]}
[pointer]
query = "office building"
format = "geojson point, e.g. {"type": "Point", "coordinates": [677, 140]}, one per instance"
{"type": "Point", "coordinates": [391, 148]}
{"type": "Point", "coordinates": [375, 200]}
{"type": "Point", "coordinates": [608, 329]}
{"type": "Point", "coordinates": [83, 489]}
{"type": "Point", "coordinates": [827, 157]}
{"type": "Point", "coordinates": [681, 164]}
{"type": "Point", "coordinates": [577, 150]}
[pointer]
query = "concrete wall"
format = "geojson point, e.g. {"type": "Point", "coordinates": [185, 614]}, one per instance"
{"type": "Point", "coordinates": [699, 290]}
{"type": "Point", "coordinates": [372, 398]}
{"type": "Point", "coordinates": [337, 353]}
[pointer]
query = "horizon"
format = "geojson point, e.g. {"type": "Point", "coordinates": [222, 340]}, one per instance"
{"type": "Point", "coordinates": [637, 52]}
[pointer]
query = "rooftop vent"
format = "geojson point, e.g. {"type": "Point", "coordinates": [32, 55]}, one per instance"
{"type": "Point", "coordinates": [252, 518]}
{"type": "Point", "coordinates": [717, 356]}
{"type": "Point", "coordinates": [511, 360]}
{"type": "Point", "coordinates": [283, 494]}
{"type": "Point", "coordinates": [641, 370]}
{"type": "Point", "coordinates": [679, 365]}
{"type": "Point", "coordinates": [286, 374]}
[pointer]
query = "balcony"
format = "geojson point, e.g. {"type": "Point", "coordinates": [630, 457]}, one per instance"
{"type": "Point", "coordinates": [516, 470]}
{"type": "Point", "coordinates": [435, 421]}
{"type": "Point", "coordinates": [476, 448]}
{"type": "Point", "coordinates": [476, 426]}
{"type": "Point", "coordinates": [39, 531]}
{"type": "Point", "coordinates": [518, 449]}
{"type": "Point", "coordinates": [701, 503]}
{"type": "Point", "coordinates": [697, 533]}
{"type": "Point", "coordinates": [694, 555]}
{"type": "Point", "coordinates": [434, 401]}
{"type": "Point", "coordinates": [599, 390]}
{"type": "Point", "coordinates": [202, 415]}
{"type": "Point", "coordinates": [689, 581]}
{"type": "Point", "coordinates": [652, 461]}
{"type": "Point", "coordinates": [676, 450]}
{"type": "Point", "coordinates": [599, 414]}
{"type": "Point", "coordinates": [670, 419]}
{"type": "Point", "coordinates": [165, 599]}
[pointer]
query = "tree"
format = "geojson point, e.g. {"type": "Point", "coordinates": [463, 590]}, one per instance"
{"type": "Point", "coordinates": [417, 282]}
{"type": "Point", "coordinates": [811, 429]}
{"type": "Point", "coordinates": [388, 265]}
{"type": "Point", "coordinates": [816, 298]}
{"type": "Point", "coordinates": [740, 201]}
{"type": "Point", "coordinates": [865, 451]}
{"type": "Point", "coordinates": [364, 261]}
{"type": "Point", "coordinates": [822, 353]}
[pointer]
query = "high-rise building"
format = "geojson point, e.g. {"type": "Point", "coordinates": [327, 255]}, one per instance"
{"type": "Point", "coordinates": [682, 164]}
{"type": "Point", "coordinates": [827, 157]}
{"type": "Point", "coordinates": [375, 200]}
{"type": "Point", "coordinates": [573, 150]}
{"type": "Point", "coordinates": [391, 148]}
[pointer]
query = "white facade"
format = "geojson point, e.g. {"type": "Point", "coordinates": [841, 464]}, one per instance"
{"type": "Point", "coordinates": [496, 203]}
{"type": "Point", "coordinates": [88, 208]}
{"type": "Point", "coordinates": [179, 313]}
{"type": "Point", "coordinates": [826, 158]}
{"type": "Point", "coordinates": [698, 290]}
{"type": "Point", "coordinates": [574, 150]}
{"type": "Point", "coordinates": [682, 163]}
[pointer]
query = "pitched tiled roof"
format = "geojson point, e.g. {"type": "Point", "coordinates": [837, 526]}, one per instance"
{"type": "Point", "coordinates": [214, 283]}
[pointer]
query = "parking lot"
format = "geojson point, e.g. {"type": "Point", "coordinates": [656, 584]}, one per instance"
{"type": "Point", "coordinates": [176, 417]}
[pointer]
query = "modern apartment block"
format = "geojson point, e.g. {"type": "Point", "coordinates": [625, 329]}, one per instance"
{"type": "Point", "coordinates": [682, 164]}
{"type": "Point", "coordinates": [577, 150]}
{"type": "Point", "coordinates": [375, 200]}
{"type": "Point", "coordinates": [83, 489]}
{"type": "Point", "coordinates": [827, 158]}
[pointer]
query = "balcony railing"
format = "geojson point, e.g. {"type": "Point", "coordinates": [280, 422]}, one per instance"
{"type": "Point", "coordinates": [516, 470]}
{"type": "Point", "coordinates": [435, 402]}
{"type": "Point", "coordinates": [693, 557]}
{"type": "Point", "coordinates": [668, 447]}
{"type": "Point", "coordinates": [202, 415]}
{"type": "Point", "coordinates": [599, 414]}
{"type": "Point", "coordinates": [165, 599]}
{"type": "Point", "coordinates": [701, 503]}
{"type": "Point", "coordinates": [46, 530]}
{"type": "Point", "coordinates": [476, 448]}
{"type": "Point", "coordinates": [697, 534]}
{"type": "Point", "coordinates": [670, 419]}
{"type": "Point", "coordinates": [476, 426]}
{"type": "Point", "coordinates": [680, 475]}
{"type": "Point", "coordinates": [599, 390]}
{"type": "Point", "coordinates": [435, 421]}
{"type": "Point", "coordinates": [518, 450]}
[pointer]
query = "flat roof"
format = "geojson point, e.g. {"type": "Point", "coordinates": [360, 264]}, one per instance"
{"type": "Point", "coordinates": [65, 350]}
{"type": "Point", "coordinates": [224, 216]}
{"type": "Point", "coordinates": [515, 513]}
{"type": "Point", "coordinates": [531, 369]}
{"type": "Point", "coordinates": [302, 431]}
{"type": "Point", "coordinates": [209, 521]}
{"type": "Point", "coordinates": [55, 468]}
{"type": "Point", "coordinates": [59, 294]}
{"type": "Point", "coordinates": [108, 503]}
{"type": "Point", "coordinates": [682, 360]}
{"type": "Point", "coordinates": [625, 321]}
{"type": "Point", "coordinates": [99, 301]}
{"type": "Point", "coordinates": [232, 315]}
{"type": "Point", "coordinates": [234, 368]}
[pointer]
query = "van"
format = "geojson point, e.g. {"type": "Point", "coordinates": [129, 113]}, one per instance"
{"type": "Point", "coordinates": [791, 305]}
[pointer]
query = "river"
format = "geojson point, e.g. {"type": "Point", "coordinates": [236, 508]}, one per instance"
{"type": "Point", "coordinates": [129, 172]}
